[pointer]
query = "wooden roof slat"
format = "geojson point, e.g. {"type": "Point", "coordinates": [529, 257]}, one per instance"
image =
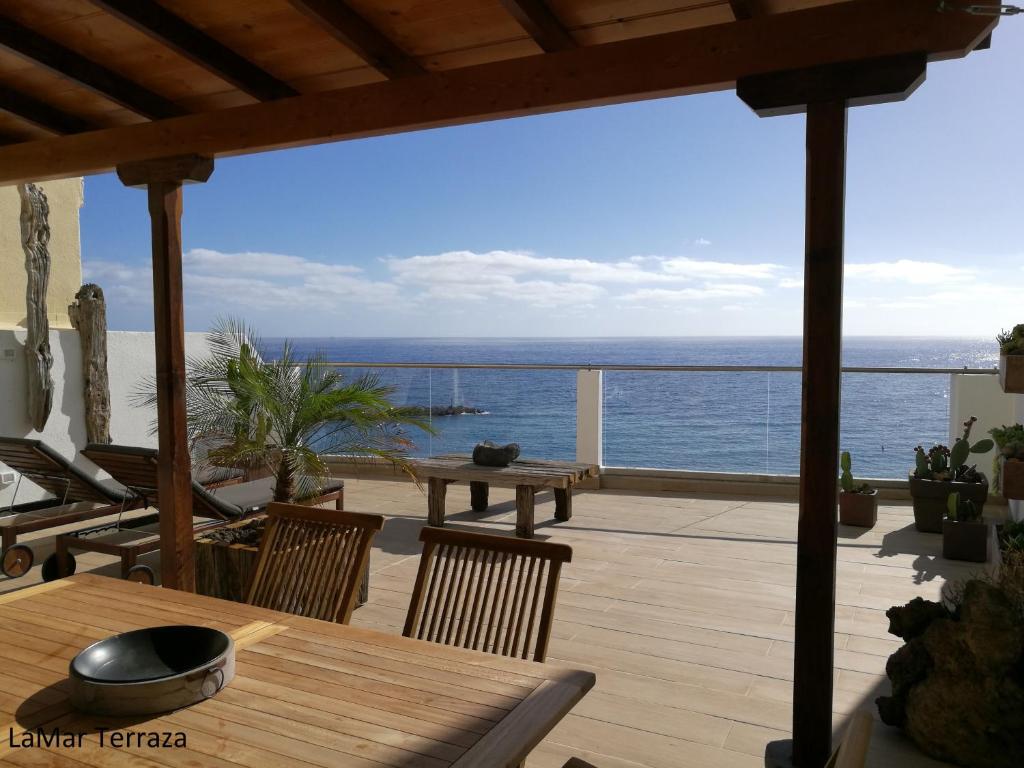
{"type": "Point", "coordinates": [67, 63]}
{"type": "Point", "coordinates": [156, 21]}
{"type": "Point", "coordinates": [688, 61]}
{"type": "Point", "coordinates": [541, 23]}
{"type": "Point", "coordinates": [361, 37]}
{"type": "Point", "coordinates": [40, 113]}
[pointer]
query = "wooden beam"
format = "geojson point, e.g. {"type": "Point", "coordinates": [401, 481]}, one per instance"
{"type": "Point", "coordinates": [541, 23]}
{"type": "Point", "coordinates": [63, 61]}
{"type": "Point", "coordinates": [814, 630]}
{"type": "Point", "coordinates": [858, 83]}
{"type": "Point", "coordinates": [174, 474]}
{"type": "Point", "coordinates": [371, 45]}
{"type": "Point", "coordinates": [154, 20]}
{"type": "Point", "coordinates": [41, 114]}
{"type": "Point", "coordinates": [688, 61]}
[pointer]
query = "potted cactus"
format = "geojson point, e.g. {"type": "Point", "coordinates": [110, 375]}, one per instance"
{"type": "Point", "coordinates": [941, 471]}
{"type": "Point", "coordinates": [1011, 359]}
{"type": "Point", "coordinates": [1008, 465]}
{"type": "Point", "coordinates": [965, 534]}
{"type": "Point", "coordinates": [858, 503]}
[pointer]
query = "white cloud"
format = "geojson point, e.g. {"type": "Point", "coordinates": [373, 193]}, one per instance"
{"type": "Point", "coordinates": [701, 241]}
{"type": "Point", "coordinates": [695, 269]}
{"type": "Point", "coordinates": [709, 291]}
{"type": "Point", "coordinates": [791, 282]}
{"type": "Point", "coordinates": [909, 271]}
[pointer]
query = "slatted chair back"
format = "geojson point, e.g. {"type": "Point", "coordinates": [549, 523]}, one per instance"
{"type": "Point", "coordinates": [312, 560]}
{"type": "Point", "coordinates": [130, 465]}
{"type": "Point", "coordinates": [490, 593]}
{"type": "Point", "coordinates": [53, 473]}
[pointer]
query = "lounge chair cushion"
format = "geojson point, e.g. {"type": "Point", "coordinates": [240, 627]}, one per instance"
{"type": "Point", "coordinates": [246, 499]}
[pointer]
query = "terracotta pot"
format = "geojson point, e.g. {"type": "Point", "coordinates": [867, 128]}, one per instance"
{"type": "Point", "coordinates": [859, 509]}
{"type": "Point", "coordinates": [1013, 479]}
{"type": "Point", "coordinates": [930, 500]}
{"type": "Point", "coordinates": [966, 540]}
{"type": "Point", "coordinates": [1011, 373]}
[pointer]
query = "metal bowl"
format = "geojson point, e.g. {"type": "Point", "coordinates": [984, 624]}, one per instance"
{"type": "Point", "coordinates": [151, 670]}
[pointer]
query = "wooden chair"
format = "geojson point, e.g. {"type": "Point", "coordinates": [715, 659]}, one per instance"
{"type": "Point", "coordinates": [852, 752]}
{"type": "Point", "coordinates": [490, 593]}
{"type": "Point", "coordinates": [312, 561]}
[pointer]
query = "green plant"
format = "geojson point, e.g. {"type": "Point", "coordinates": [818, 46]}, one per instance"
{"type": "Point", "coordinates": [1010, 444]}
{"type": "Point", "coordinates": [1011, 342]}
{"type": "Point", "coordinates": [942, 463]}
{"type": "Point", "coordinates": [846, 478]}
{"type": "Point", "coordinates": [284, 415]}
{"type": "Point", "coordinates": [961, 511]}
{"type": "Point", "coordinates": [1011, 537]}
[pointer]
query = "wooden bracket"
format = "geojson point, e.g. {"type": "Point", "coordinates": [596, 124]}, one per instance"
{"type": "Point", "coordinates": [166, 170]}
{"type": "Point", "coordinates": [857, 83]}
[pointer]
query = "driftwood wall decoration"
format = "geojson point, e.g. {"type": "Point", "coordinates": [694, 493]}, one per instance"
{"type": "Point", "coordinates": [35, 239]}
{"type": "Point", "coordinates": [89, 316]}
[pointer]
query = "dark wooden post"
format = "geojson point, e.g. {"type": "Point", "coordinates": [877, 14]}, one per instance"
{"type": "Point", "coordinates": [824, 93]}
{"type": "Point", "coordinates": [819, 433]}
{"type": "Point", "coordinates": [163, 180]}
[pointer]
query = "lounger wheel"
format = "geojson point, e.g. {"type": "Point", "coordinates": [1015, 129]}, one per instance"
{"type": "Point", "coordinates": [17, 560]}
{"type": "Point", "coordinates": [142, 574]}
{"type": "Point", "coordinates": [51, 568]}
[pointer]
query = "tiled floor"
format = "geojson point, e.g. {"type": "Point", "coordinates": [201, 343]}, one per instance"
{"type": "Point", "coordinates": [683, 607]}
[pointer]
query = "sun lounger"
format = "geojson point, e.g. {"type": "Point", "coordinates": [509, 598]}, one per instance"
{"type": "Point", "coordinates": [75, 497]}
{"type": "Point", "coordinates": [137, 469]}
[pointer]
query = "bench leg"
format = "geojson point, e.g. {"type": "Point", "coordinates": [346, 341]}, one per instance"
{"type": "Point", "coordinates": [478, 495]}
{"type": "Point", "coordinates": [436, 491]}
{"type": "Point", "coordinates": [8, 538]}
{"type": "Point", "coordinates": [364, 587]}
{"type": "Point", "coordinates": [128, 558]}
{"type": "Point", "coordinates": [563, 503]}
{"type": "Point", "coordinates": [524, 511]}
{"type": "Point", "coordinates": [61, 551]}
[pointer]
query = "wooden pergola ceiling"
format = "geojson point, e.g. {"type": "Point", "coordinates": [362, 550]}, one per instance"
{"type": "Point", "coordinates": [145, 78]}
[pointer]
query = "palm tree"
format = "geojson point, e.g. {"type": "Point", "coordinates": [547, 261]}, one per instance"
{"type": "Point", "coordinates": [283, 415]}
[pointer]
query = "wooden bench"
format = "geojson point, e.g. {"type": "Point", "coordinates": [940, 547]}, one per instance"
{"type": "Point", "coordinates": [527, 476]}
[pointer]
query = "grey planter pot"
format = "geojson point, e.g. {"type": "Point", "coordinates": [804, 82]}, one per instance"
{"type": "Point", "coordinates": [966, 540]}
{"type": "Point", "coordinates": [859, 509]}
{"type": "Point", "coordinates": [930, 498]}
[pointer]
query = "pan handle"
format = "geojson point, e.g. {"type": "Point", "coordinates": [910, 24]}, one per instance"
{"type": "Point", "coordinates": [213, 681]}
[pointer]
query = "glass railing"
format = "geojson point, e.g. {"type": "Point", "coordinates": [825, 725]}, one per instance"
{"type": "Point", "coordinates": [700, 418]}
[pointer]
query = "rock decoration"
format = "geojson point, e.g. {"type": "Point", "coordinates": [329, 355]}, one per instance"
{"type": "Point", "coordinates": [488, 454]}
{"type": "Point", "coordinates": [958, 683]}
{"type": "Point", "coordinates": [35, 239]}
{"type": "Point", "coordinates": [89, 317]}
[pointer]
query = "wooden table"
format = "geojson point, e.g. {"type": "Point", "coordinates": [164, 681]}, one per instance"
{"type": "Point", "coordinates": [306, 692]}
{"type": "Point", "coordinates": [527, 476]}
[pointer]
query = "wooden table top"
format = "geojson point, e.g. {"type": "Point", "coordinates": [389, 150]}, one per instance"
{"type": "Point", "coordinates": [537, 472]}
{"type": "Point", "coordinates": [305, 693]}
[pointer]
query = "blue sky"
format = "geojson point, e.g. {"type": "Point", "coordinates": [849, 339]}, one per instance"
{"type": "Point", "coordinates": [670, 217]}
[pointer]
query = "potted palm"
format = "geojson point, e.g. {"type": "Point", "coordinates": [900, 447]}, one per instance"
{"type": "Point", "coordinates": [1008, 465]}
{"type": "Point", "coordinates": [965, 534]}
{"type": "Point", "coordinates": [278, 418]}
{"type": "Point", "coordinates": [941, 471]}
{"type": "Point", "coordinates": [1011, 359]}
{"type": "Point", "coordinates": [858, 503]}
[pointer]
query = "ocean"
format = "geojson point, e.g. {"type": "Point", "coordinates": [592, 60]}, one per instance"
{"type": "Point", "coordinates": [707, 421]}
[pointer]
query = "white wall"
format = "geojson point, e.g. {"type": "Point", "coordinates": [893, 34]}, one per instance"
{"type": "Point", "coordinates": [978, 395]}
{"type": "Point", "coordinates": [130, 358]}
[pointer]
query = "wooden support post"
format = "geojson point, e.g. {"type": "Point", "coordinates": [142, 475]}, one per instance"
{"type": "Point", "coordinates": [819, 434]}
{"type": "Point", "coordinates": [525, 503]}
{"type": "Point", "coordinates": [437, 489]}
{"type": "Point", "coordinates": [163, 180]}
{"type": "Point", "coordinates": [478, 493]}
{"type": "Point", "coordinates": [824, 93]}
{"type": "Point", "coordinates": [563, 503]}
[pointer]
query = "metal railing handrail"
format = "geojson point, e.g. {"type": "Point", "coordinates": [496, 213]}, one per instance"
{"type": "Point", "coordinates": [656, 368]}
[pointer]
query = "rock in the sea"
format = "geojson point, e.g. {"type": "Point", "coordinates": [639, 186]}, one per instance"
{"type": "Point", "coordinates": [489, 454]}
{"type": "Point", "coordinates": [958, 685]}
